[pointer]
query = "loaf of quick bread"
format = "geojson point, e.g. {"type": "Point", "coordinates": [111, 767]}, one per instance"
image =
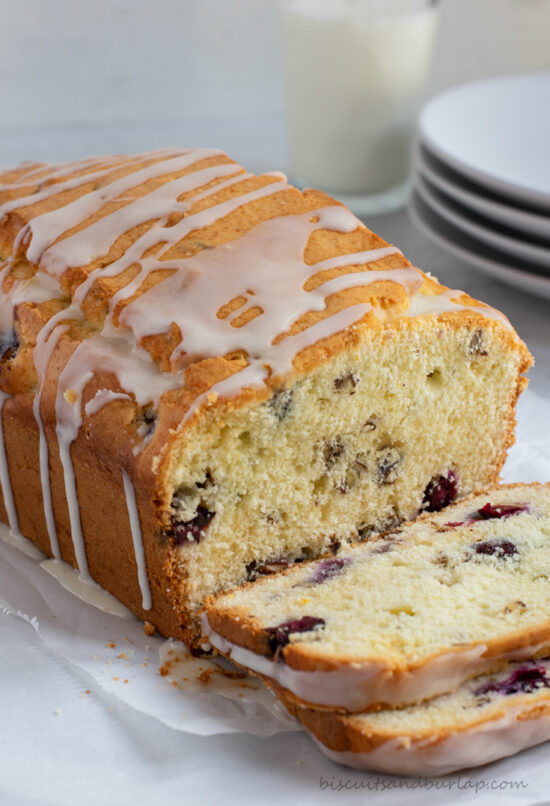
{"type": "Point", "coordinates": [207, 375]}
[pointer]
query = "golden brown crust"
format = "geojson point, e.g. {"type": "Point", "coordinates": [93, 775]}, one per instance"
{"type": "Point", "coordinates": [345, 733]}
{"type": "Point", "coordinates": [296, 703]}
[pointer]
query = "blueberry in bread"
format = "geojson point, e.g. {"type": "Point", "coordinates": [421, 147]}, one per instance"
{"type": "Point", "coordinates": [485, 719]}
{"type": "Point", "coordinates": [405, 616]}
{"type": "Point", "coordinates": [206, 375]}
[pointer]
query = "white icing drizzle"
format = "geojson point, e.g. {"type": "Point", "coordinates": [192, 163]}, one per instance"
{"type": "Point", "coordinates": [45, 345]}
{"type": "Point", "coordinates": [5, 480]}
{"type": "Point", "coordinates": [44, 171]}
{"type": "Point", "coordinates": [82, 247]}
{"type": "Point", "coordinates": [443, 303]}
{"type": "Point", "coordinates": [103, 164]}
{"type": "Point", "coordinates": [137, 539]}
{"type": "Point", "coordinates": [101, 398]}
{"type": "Point", "coordinates": [79, 249]}
{"type": "Point", "coordinates": [240, 177]}
{"type": "Point", "coordinates": [45, 229]}
{"type": "Point", "coordinates": [358, 686]}
{"type": "Point", "coordinates": [39, 288]}
{"type": "Point", "coordinates": [51, 190]}
{"type": "Point", "coordinates": [265, 266]}
{"type": "Point", "coordinates": [518, 729]}
{"type": "Point", "coordinates": [134, 371]}
{"type": "Point", "coordinates": [55, 221]}
{"type": "Point", "coordinates": [355, 687]}
{"type": "Point", "coordinates": [271, 277]}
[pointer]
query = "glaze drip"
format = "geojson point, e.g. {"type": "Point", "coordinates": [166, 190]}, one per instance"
{"type": "Point", "coordinates": [137, 538]}
{"type": "Point", "coordinates": [5, 481]}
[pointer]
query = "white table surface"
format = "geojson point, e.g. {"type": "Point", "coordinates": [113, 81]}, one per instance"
{"type": "Point", "coordinates": [124, 757]}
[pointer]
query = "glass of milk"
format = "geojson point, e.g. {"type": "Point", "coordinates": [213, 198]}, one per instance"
{"type": "Point", "coordinates": [355, 73]}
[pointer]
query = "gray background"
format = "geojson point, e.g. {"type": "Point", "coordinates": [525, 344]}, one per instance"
{"type": "Point", "coordinates": [69, 61]}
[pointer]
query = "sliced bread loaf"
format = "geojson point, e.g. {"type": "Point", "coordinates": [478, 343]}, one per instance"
{"type": "Point", "coordinates": [405, 616]}
{"type": "Point", "coordinates": [203, 371]}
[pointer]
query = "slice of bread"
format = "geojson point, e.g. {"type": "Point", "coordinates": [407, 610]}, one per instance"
{"type": "Point", "coordinates": [405, 616]}
{"type": "Point", "coordinates": [487, 718]}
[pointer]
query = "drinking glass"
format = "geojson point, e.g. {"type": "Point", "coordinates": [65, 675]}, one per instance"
{"type": "Point", "coordinates": [355, 73]}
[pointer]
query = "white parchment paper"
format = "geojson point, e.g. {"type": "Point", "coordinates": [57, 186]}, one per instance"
{"type": "Point", "coordinates": [192, 696]}
{"type": "Point", "coordinates": [125, 662]}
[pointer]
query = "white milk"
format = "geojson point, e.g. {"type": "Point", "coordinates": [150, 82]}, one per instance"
{"type": "Point", "coordinates": [355, 71]}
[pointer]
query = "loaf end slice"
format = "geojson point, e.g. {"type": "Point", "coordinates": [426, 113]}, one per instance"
{"type": "Point", "coordinates": [488, 718]}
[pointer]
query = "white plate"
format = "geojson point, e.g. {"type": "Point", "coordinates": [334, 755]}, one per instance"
{"type": "Point", "coordinates": [518, 250]}
{"type": "Point", "coordinates": [478, 199]}
{"type": "Point", "coordinates": [497, 133]}
{"type": "Point", "coordinates": [478, 255]}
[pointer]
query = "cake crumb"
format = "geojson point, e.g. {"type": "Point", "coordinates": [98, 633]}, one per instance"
{"type": "Point", "coordinates": [110, 645]}
{"type": "Point", "coordinates": [148, 628]}
{"type": "Point", "coordinates": [232, 675]}
{"type": "Point", "coordinates": [205, 675]}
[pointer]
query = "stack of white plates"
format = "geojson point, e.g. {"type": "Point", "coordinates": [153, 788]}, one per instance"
{"type": "Point", "coordinates": [482, 177]}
